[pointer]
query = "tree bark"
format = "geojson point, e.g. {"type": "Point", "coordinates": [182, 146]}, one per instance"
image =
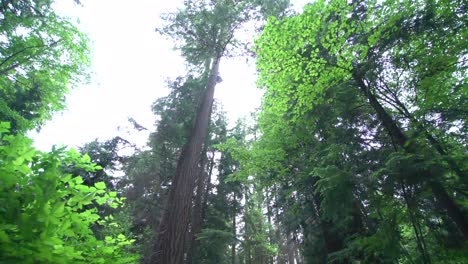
{"type": "Point", "coordinates": [399, 138]}
{"type": "Point", "coordinates": [170, 243]}
{"type": "Point", "coordinates": [197, 209]}
{"type": "Point", "coordinates": [270, 224]}
{"type": "Point", "coordinates": [234, 234]}
{"type": "Point", "coordinates": [207, 186]}
{"type": "Point", "coordinates": [290, 248]}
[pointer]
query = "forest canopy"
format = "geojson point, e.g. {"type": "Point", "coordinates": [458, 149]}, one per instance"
{"type": "Point", "coordinates": [358, 153]}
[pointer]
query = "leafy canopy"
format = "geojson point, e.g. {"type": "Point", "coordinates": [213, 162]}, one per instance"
{"type": "Point", "coordinates": [46, 215]}
{"type": "Point", "coordinates": [42, 56]}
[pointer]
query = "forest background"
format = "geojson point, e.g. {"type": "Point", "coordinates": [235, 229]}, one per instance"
{"type": "Point", "coordinates": [356, 155]}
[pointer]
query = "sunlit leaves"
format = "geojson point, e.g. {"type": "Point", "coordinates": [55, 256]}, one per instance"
{"type": "Point", "coordinates": [45, 214]}
{"type": "Point", "coordinates": [42, 56]}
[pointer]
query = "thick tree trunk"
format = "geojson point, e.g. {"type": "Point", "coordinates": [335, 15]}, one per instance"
{"type": "Point", "coordinates": [399, 138]}
{"type": "Point", "coordinates": [197, 218]}
{"type": "Point", "coordinates": [170, 243]}
{"type": "Point", "coordinates": [200, 203]}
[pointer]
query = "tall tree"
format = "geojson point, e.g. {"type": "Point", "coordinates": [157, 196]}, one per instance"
{"type": "Point", "coordinates": [363, 160]}
{"type": "Point", "coordinates": [205, 29]}
{"type": "Point", "coordinates": [218, 238]}
{"type": "Point", "coordinates": [148, 173]}
{"type": "Point", "coordinates": [347, 44]}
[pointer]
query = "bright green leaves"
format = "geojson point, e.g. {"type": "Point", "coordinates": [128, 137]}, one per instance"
{"type": "Point", "coordinates": [16, 154]}
{"type": "Point", "coordinates": [46, 215]}
{"type": "Point", "coordinates": [42, 56]}
{"type": "Point", "coordinates": [301, 57]}
{"type": "Point", "coordinates": [100, 185]}
{"type": "Point", "coordinates": [290, 62]}
{"type": "Point", "coordinates": [204, 29]}
{"type": "Point", "coordinates": [320, 70]}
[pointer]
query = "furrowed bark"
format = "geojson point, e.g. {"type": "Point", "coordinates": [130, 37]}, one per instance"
{"type": "Point", "coordinates": [170, 246]}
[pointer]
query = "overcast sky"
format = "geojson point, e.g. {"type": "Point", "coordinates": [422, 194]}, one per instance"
{"type": "Point", "coordinates": [131, 63]}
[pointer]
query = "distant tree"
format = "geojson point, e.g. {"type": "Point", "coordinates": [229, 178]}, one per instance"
{"type": "Point", "coordinates": [106, 155]}
{"type": "Point", "coordinates": [216, 234]}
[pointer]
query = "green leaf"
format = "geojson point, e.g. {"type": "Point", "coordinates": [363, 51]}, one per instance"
{"type": "Point", "coordinates": [100, 185]}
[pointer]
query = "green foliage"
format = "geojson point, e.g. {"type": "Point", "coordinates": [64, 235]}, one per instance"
{"type": "Point", "coordinates": [204, 29]}
{"type": "Point", "coordinates": [213, 245]}
{"type": "Point", "coordinates": [42, 56]}
{"type": "Point", "coordinates": [211, 235]}
{"type": "Point", "coordinates": [336, 190]}
{"type": "Point", "coordinates": [337, 78]}
{"type": "Point", "coordinates": [44, 212]}
{"type": "Point", "coordinates": [176, 113]}
{"type": "Point", "coordinates": [106, 155]}
{"type": "Point", "coordinates": [255, 245]}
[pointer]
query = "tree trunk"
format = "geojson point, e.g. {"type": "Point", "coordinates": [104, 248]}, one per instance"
{"type": "Point", "coordinates": [197, 209]}
{"type": "Point", "coordinates": [270, 225]}
{"type": "Point", "coordinates": [247, 238]}
{"type": "Point", "coordinates": [279, 238]}
{"type": "Point", "coordinates": [172, 231]}
{"type": "Point", "coordinates": [420, 241]}
{"type": "Point", "coordinates": [290, 249]}
{"type": "Point", "coordinates": [400, 139]}
{"type": "Point", "coordinates": [207, 186]}
{"type": "Point", "coordinates": [233, 246]}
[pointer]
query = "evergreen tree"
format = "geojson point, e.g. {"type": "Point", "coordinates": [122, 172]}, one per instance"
{"type": "Point", "coordinates": [205, 30]}
{"type": "Point", "coordinates": [346, 132]}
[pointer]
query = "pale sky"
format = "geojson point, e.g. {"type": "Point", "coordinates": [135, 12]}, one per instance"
{"type": "Point", "coordinates": [131, 63]}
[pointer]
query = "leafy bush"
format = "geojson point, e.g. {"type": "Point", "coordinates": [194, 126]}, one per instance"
{"type": "Point", "coordinates": [45, 214]}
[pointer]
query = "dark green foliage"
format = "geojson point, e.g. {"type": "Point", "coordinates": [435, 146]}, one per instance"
{"type": "Point", "coordinates": [223, 200]}
{"type": "Point", "coordinates": [149, 173]}
{"type": "Point", "coordinates": [106, 155]}
{"type": "Point", "coordinates": [357, 142]}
